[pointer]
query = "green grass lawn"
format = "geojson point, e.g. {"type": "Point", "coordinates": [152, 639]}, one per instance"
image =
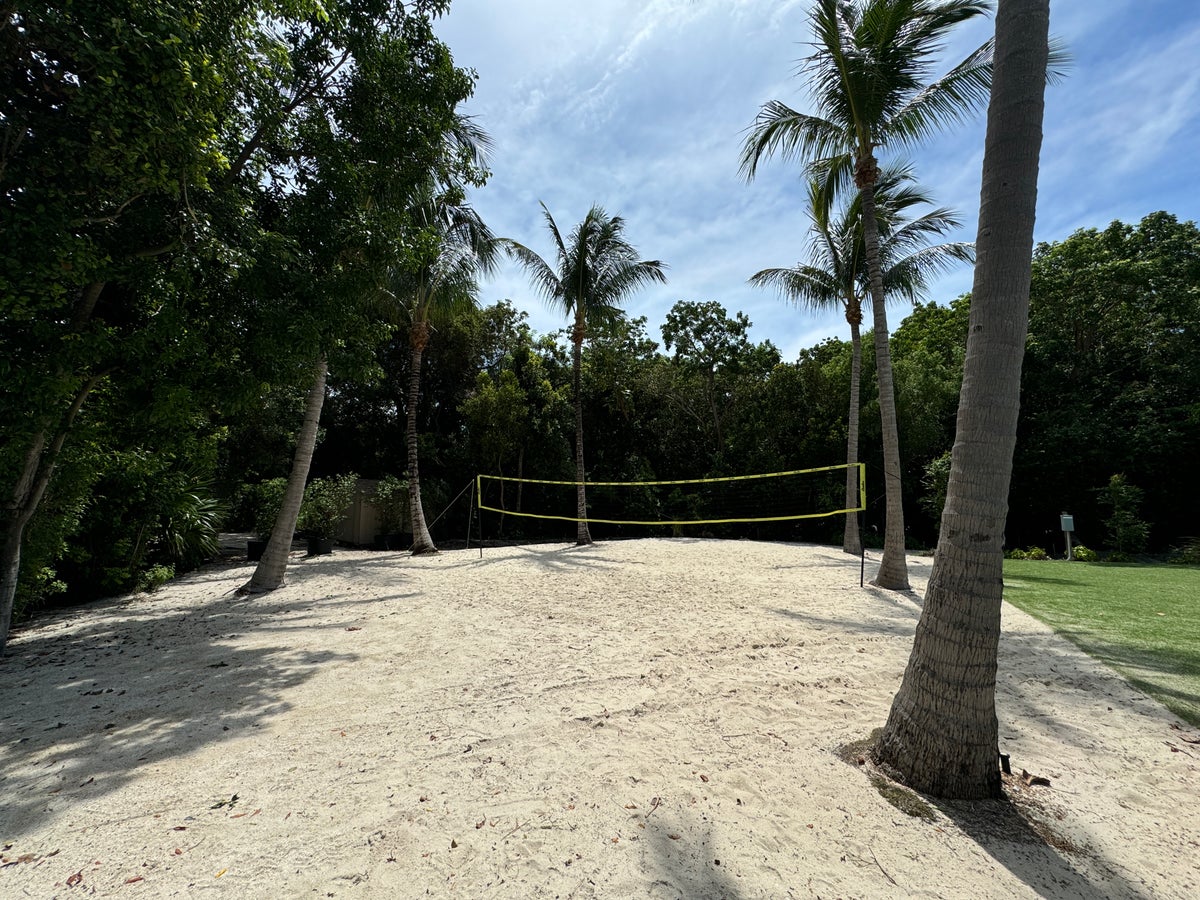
{"type": "Point", "coordinates": [1143, 620]}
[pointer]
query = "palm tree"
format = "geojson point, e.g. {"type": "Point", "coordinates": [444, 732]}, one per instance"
{"type": "Point", "coordinates": [446, 280]}
{"type": "Point", "coordinates": [463, 152]}
{"type": "Point", "coordinates": [942, 734]}
{"type": "Point", "coordinates": [836, 276]}
{"type": "Point", "coordinates": [870, 80]}
{"type": "Point", "coordinates": [272, 566]}
{"type": "Point", "coordinates": [596, 269]}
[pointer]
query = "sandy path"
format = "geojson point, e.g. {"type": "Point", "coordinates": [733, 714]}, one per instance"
{"type": "Point", "coordinates": [649, 718]}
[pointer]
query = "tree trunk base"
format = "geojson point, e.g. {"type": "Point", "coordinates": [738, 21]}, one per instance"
{"type": "Point", "coordinates": [425, 551]}
{"type": "Point", "coordinates": [249, 589]}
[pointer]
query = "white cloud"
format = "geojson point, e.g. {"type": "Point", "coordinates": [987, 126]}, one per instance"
{"type": "Point", "coordinates": [642, 107]}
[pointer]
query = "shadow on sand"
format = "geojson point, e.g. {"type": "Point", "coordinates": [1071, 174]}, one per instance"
{"type": "Point", "coordinates": [93, 699]}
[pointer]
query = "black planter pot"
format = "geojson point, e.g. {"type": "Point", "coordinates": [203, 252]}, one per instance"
{"type": "Point", "coordinates": [255, 550]}
{"type": "Point", "coordinates": [320, 546]}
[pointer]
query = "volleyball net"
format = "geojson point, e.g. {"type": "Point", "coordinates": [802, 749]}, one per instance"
{"type": "Point", "coordinates": [771, 497]}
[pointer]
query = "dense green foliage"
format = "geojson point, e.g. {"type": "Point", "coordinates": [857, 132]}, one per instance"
{"type": "Point", "coordinates": [1111, 382]}
{"type": "Point", "coordinates": [235, 195]}
{"type": "Point", "coordinates": [1140, 619]}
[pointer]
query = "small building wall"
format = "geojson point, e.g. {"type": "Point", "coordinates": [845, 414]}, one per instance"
{"type": "Point", "coordinates": [362, 523]}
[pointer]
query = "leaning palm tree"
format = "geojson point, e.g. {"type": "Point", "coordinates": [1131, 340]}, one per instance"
{"type": "Point", "coordinates": [460, 248]}
{"type": "Point", "coordinates": [942, 735]}
{"type": "Point", "coordinates": [836, 276]}
{"type": "Point", "coordinates": [596, 269]}
{"type": "Point", "coordinates": [870, 81]}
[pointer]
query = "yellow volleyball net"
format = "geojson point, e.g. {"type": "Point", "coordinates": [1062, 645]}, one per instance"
{"type": "Point", "coordinates": [770, 497]}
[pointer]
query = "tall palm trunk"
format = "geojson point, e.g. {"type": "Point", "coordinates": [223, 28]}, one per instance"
{"type": "Point", "coordinates": [941, 734]}
{"type": "Point", "coordinates": [582, 534]}
{"type": "Point", "coordinates": [268, 575]}
{"type": "Point", "coordinates": [851, 539]}
{"type": "Point", "coordinates": [422, 541]}
{"type": "Point", "coordinates": [893, 568]}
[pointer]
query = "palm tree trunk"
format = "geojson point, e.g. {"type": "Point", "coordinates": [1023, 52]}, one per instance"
{"type": "Point", "coordinates": [893, 568]}
{"type": "Point", "coordinates": [851, 539]}
{"type": "Point", "coordinates": [422, 541]}
{"type": "Point", "coordinates": [941, 734]}
{"type": "Point", "coordinates": [268, 575]}
{"type": "Point", "coordinates": [26, 497]}
{"type": "Point", "coordinates": [582, 534]}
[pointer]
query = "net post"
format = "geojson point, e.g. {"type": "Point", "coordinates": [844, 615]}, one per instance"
{"type": "Point", "coordinates": [479, 499]}
{"type": "Point", "coordinates": [862, 518]}
{"type": "Point", "coordinates": [470, 514]}
{"type": "Point", "coordinates": [862, 549]}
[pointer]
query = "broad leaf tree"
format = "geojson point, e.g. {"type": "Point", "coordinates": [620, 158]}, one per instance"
{"type": "Point", "coordinates": [110, 149]}
{"type": "Point", "coordinates": [595, 270]}
{"type": "Point", "coordinates": [941, 734]}
{"type": "Point", "coordinates": [347, 180]}
{"type": "Point", "coordinates": [870, 82]}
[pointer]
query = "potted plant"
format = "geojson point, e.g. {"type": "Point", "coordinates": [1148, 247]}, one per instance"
{"type": "Point", "coordinates": [264, 500]}
{"type": "Point", "coordinates": [326, 503]}
{"type": "Point", "coordinates": [391, 505]}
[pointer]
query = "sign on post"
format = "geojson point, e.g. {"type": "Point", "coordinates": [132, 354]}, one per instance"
{"type": "Point", "coordinates": [1068, 526]}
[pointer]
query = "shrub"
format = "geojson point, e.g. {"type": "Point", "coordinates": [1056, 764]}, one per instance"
{"type": "Point", "coordinates": [1084, 554]}
{"type": "Point", "coordinates": [260, 504]}
{"type": "Point", "coordinates": [936, 480]}
{"type": "Point", "coordinates": [326, 503]}
{"type": "Point", "coordinates": [391, 502]}
{"type": "Point", "coordinates": [191, 520]}
{"type": "Point", "coordinates": [1015, 553]}
{"type": "Point", "coordinates": [151, 579]}
{"type": "Point", "coordinates": [1127, 534]}
{"type": "Point", "coordinates": [1188, 554]}
{"type": "Point", "coordinates": [1036, 553]}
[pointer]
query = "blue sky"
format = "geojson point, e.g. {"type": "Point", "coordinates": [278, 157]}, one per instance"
{"type": "Point", "coordinates": [641, 106]}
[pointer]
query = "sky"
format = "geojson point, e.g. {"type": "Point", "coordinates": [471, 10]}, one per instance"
{"type": "Point", "coordinates": [642, 106]}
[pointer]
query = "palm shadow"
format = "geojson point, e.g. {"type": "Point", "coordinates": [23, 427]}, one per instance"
{"type": "Point", "coordinates": [686, 868]}
{"type": "Point", "coordinates": [1021, 841]}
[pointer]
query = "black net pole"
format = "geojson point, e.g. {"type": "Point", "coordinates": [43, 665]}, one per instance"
{"type": "Point", "coordinates": [471, 515]}
{"type": "Point", "coordinates": [862, 548]}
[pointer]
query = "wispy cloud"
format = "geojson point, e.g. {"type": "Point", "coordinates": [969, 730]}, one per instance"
{"type": "Point", "coordinates": [642, 107]}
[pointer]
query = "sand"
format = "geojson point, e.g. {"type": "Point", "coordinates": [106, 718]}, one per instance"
{"type": "Point", "coordinates": [651, 718]}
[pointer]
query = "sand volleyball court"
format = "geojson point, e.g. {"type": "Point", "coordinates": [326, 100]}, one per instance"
{"type": "Point", "coordinates": [650, 718]}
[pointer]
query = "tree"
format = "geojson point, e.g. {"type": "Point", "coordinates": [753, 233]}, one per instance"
{"type": "Point", "coordinates": [444, 280]}
{"type": "Point", "coordinates": [1127, 533]}
{"type": "Point", "coordinates": [714, 348]}
{"type": "Point", "coordinates": [941, 734]}
{"type": "Point", "coordinates": [131, 99]}
{"type": "Point", "coordinates": [1111, 378]}
{"type": "Point", "coordinates": [836, 275]}
{"type": "Point", "coordinates": [596, 269]}
{"type": "Point", "coordinates": [366, 144]}
{"type": "Point", "coordinates": [869, 78]}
